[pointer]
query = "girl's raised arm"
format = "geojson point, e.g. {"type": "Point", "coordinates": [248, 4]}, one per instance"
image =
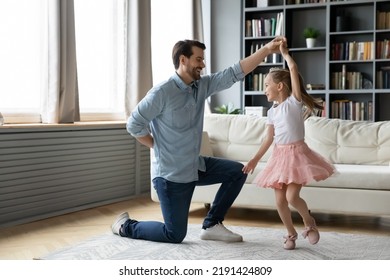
{"type": "Point", "coordinates": [294, 73]}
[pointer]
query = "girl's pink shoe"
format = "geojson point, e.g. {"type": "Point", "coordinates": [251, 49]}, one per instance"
{"type": "Point", "coordinates": [312, 234]}
{"type": "Point", "coordinates": [289, 244]}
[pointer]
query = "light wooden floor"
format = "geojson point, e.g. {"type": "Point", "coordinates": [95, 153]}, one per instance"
{"type": "Point", "coordinates": [28, 241]}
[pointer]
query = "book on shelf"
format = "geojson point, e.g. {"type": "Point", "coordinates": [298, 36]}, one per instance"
{"type": "Point", "coordinates": [267, 31]}
{"type": "Point", "coordinates": [262, 3]}
{"type": "Point", "coordinates": [254, 47]}
{"type": "Point", "coordinates": [255, 82]}
{"type": "Point", "coordinates": [279, 24]}
{"type": "Point", "coordinates": [383, 49]}
{"type": "Point", "coordinates": [315, 86]}
{"type": "Point", "coordinates": [383, 78]}
{"type": "Point", "coordinates": [248, 28]}
{"type": "Point", "coordinates": [249, 82]}
{"type": "Point", "coordinates": [383, 19]}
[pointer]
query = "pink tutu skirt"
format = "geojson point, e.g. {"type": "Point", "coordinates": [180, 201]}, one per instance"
{"type": "Point", "coordinates": [293, 163]}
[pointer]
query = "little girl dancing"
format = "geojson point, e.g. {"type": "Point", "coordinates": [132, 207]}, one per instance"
{"type": "Point", "coordinates": [292, 163]}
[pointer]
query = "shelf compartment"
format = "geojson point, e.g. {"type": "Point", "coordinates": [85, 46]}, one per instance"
{"type": "Point", "coordinates": [311, 65]}
{"type": "Point", "coordinates": [382, 101]}
{"type": "Point", "coordinates": [314, 17]}
{"type": "Point", "coordinates": [351, 106]}
{"type": "Point", "coordinates": [259, 99]}
{"type": "Point", "coordinates": [352, 16]}
{"type": "Point", "coordinates": [358, 75]}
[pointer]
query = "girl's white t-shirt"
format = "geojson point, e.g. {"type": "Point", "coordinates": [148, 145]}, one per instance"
{"type": "Point", "coordinates": [288, 122]}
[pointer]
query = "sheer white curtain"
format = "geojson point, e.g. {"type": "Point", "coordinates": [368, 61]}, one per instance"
{"type": "Point", "coordinates": [60, 89]}
{"type": "Point", "coordinates": [170, 27]}
{"type": "Point", "coordinates": [20, 75]}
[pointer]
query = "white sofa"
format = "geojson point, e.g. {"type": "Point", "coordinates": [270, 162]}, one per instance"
{"type": "Point", "coordinates": [360, 151]}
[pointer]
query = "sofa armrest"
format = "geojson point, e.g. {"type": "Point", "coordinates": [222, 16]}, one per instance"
{"type": "Point", "coordinates": [205, 148]}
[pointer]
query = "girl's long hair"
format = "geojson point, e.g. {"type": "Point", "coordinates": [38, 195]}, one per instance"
{"type": "Point", "coordinates": [311, 104]}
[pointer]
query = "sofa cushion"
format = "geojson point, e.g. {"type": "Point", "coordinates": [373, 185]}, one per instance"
{"type": "Point", "coordinates": [236, 137]}
{"type": "Point", "coordinates": [205, 147]}
{"type": "Point", "coordinates": [349, 142]}
{"type": "Point", "coordinates": [350, 176]}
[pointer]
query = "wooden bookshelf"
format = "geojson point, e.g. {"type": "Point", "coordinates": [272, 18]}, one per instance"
{"type": "Point", "coordinates": [351, 58]}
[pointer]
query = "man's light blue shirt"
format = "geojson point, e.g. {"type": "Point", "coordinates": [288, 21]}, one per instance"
{"type": "Point", "coordinates": [173, 113]}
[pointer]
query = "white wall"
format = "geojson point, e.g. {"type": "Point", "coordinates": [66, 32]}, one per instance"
{"type": "Point", "coordinates": [226, 45]}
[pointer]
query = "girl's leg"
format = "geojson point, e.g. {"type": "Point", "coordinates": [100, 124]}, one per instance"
{"type": "Point", "coordinates": [285, 215]}
{"type": "Point", "coordinates": [284, 211]}
{"type": "Point", "coordinates": [294, 199]}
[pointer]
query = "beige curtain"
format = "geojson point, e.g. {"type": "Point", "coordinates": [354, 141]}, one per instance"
{"type": "Point", "coordinates": [197, 20]}
{"type": "Point", "coordinates": [60, 101]}
{"type": "Point", "coordinates": [198, 34]}
{"type": "Point", "coordinates": [138, 63]}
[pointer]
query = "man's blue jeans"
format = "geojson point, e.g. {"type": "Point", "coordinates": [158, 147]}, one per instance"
{"type": "Point", "coordinates": [175, 199]}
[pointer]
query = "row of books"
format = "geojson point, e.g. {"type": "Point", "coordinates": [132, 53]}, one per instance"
{"type": "Point", "coordinates": [261, 111]}
{"type": "Point", "coordinates": [264, 26]}
{"type": "Point", "coordinates": [293, 2]}
{"type": "Point", "coordinates": [341, 109]}
{"type": "Point", "coordinates": [258, 82]}
{"type": "Point", "coordinates": [352, 51]}
{"type": "Point", "coordinates": [273, 58]}
{"type": "Point", "coordinates": [383, 19]}
{"type": "Point", "coordinates": [265, 3]}
{"type": "Point", "coordinates": [352, 110]}
{"type": "Point", "coordinates": [383, 78]}
{"type": "Point", "coordinates": [339, 80]}
{"type": "Point", "coordinates": [255, 82]}
{"type": "Point", "coordinates": [347, 80]}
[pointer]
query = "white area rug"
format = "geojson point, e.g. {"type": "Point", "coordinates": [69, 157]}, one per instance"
{"type": "Point", "coordinates": [259, 244]}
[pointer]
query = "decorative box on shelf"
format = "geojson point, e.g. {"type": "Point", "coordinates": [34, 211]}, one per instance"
{"type": "Point", "coordinates": [260, 111]}
{"type": "Point", "coordinates": [262, 3]}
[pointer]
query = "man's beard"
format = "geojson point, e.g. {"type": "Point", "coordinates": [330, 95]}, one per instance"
{"type": "Point", "coordinates": [195, 74]}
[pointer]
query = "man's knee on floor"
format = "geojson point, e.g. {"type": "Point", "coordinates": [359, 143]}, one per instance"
{"type": "Point", "coordinates": [176, 237]}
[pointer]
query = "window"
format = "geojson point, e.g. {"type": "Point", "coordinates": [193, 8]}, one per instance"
{"type": "Point", "coordinates": [100, 47]}
{"type": "Point", "coordinates": [101, 55]}
{"type": "Point", "coordinates": [20, 73]}
{"type": "Point", "coordinates": [100, 44]}
{"type": "Point", "coordinates": [166, 31]}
